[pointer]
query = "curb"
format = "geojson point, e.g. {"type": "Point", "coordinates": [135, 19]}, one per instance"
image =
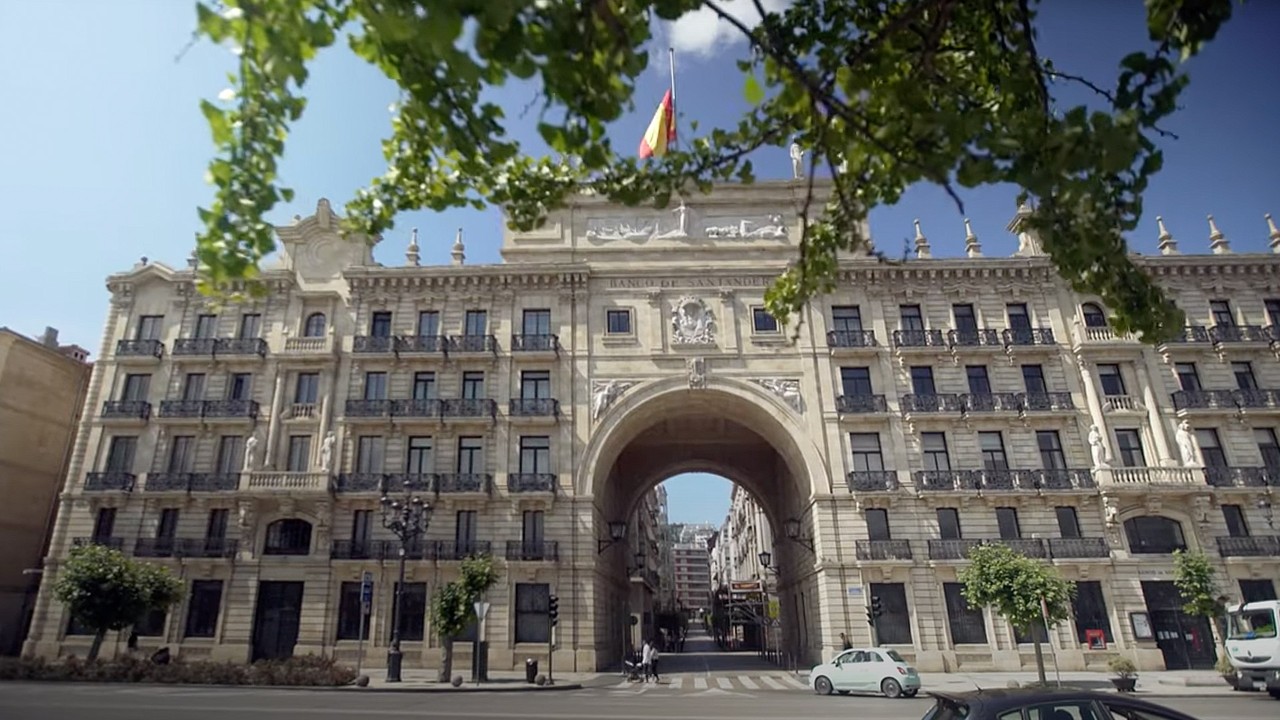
{"type": "Point", "coordinates": [351, 688]}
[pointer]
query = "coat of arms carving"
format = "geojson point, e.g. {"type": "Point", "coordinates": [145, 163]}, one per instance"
{"type": "Point", "coordinates": [692, 322]}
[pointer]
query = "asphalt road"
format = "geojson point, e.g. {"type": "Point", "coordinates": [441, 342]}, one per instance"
{"type": "Point", "coordinates": [58, 701]}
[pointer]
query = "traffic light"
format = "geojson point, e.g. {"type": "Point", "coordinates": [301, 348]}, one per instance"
{"type": "Point", "coordinates": [876, 608]}
{"type": "Point", "coordinates": [553, 609]}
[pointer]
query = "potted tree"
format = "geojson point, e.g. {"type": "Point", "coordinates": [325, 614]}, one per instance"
{"type": "Point", "coordinates": [1126, 673]}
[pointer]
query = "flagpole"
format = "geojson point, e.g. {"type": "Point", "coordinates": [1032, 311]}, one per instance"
{"type": "Point", "coordinates": [671, 57]}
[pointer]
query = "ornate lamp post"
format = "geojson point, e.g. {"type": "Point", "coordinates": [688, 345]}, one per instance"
{"type": "Point", "coordinates": [407, 518]}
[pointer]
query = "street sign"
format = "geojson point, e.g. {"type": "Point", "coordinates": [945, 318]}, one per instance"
{"type": "Point", "coordinates": [366, 588]}
{"type": "Point", "coordinates": [482, 609]}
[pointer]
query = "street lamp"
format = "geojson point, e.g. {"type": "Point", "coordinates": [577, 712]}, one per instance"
{"type": "Point", "coordinates": [792, 528]}
{"type": "Point", "coordinates": [617, 533]}
{"type": "Point", "coordinates": [406, 518]}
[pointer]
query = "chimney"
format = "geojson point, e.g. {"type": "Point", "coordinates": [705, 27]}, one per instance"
{"type": "Point", "coordinates": [50, 338]}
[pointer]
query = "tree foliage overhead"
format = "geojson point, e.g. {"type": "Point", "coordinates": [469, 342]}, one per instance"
{"type": "Point", "coordinates": [882, 94]}
{"type": "Point", "coordinates": [1013, 585]}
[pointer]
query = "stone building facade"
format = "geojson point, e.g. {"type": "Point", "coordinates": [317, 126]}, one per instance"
{"type": "Point", "coordinates": [918, 409]}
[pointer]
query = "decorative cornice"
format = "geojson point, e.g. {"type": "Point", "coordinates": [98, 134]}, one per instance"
{"type": "Point", "coordinates": [515, 278]}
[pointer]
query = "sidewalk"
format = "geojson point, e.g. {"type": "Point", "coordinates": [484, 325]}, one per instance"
{"type": "Point", "coordinates": [499, 681]}
{"type": "Point", "coordinates": [1166, 682]}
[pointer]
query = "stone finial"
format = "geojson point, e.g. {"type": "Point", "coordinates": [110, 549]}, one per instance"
{"type": "Point", "coordinates": [411, 253]}
{"type": "Point", "coordinates": [1165, 241]}
{"type": "Point", "coordinates": [922, 243]}
{"type": "Point", "coordinates": [459, 250]}
{"type": "Point", "coordinates": [1028, 239]}
{"type": "Point", "coordinates": [971, 246]}
{"type": "Point", "coordinates": [1217, 241]}
{"type": "Point", "coordinates": [1274, 235]}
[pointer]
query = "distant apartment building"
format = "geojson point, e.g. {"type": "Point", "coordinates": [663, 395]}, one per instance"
{"type": "Point", "coordinates": [691, 564]}
{"type": "Point", "coordinates": [42, 390]}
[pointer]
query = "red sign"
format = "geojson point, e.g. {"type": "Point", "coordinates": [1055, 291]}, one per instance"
{"type": "Point", "coordinates": [1095, 639]}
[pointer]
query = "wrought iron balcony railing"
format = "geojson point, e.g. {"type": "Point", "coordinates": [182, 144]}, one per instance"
{"type": "Point", "coordinates": [473, 344]}
{"type": "Point", "coordinates": [1079, 548]}
{"type": "Point", "coordinates": [412, 482]}
{"type": "Point", "coordinates": [1031, 547]}
{"type": "Point", "coordinates": [535, 343]}
{"type": "Point", "coordinates": [419, 344]}
{"type": "Point", "coordinates": [1240, 334]}
{"type": "Point", "coordinates": [114, 543]}
{"type": "Point", "coordinates": [1204, 400]}
{"type": "Point", "coordinates": [919, 338]}
{"type": "Point", "coordinates": [416, 407]}
{"type": "Point", "coordinates": [465, 483]}
{"type": "Point", "coordinates": [533, 407]}
{"type": "Point", "coordinates": [934, 403]}
{"type": "Point", "coordinates": [531, 482]}
{"type": "Point", "coordinates": [857, 404]}
{"type": "Point", "coordinates": [207, 547]}
{"type": "Point", "coordinates": [209, 409]}
{"type": "Point", "coordinates": [851, 339]}
{"type": "Point", "coordinates": [360, 482]}
{"type": "Point", "coordinates": [951, 549]}
{"type": "Point", "coordinates": [454, 550]}
{"type": "Point", "coordinates": [872, 480]}
{"type": "Point", "coordinates": [469, 408]}
{"type": "Point", "coordinates": [1255, 546]}
{"type": "Point", "coordinates": [373, 344]}
{"type": "Point", "coordinates": [140, 348]}
{"type": "Point", "coordinates": [520, 551]}
{"type": "Point", "coordinates": [156, 547]}
{"type": "Point", "coordinates": [980, 337]}
{"type": "Point", "coordinates": [883, 549]}
{"type": "Point", "coordinates": [1046, 401]}
{"type": "Point", "coordinates": [220, 346]}
{"type": "Point", "coordinates": [108, 480]}
{"type": "Point", "coordinates": [356, 550]}
{"type": "Point", "coordinates": [946, 480]}
{"type": "Point", "coordinates": [1028, 336]}
{"type": "Point", "coordinates": [991, 402]}
{"type": "Point", "coordinates": [126, 409]}
{"type": "Point", "coordinates": [359, 407]}
{"type": "Point", "coordinates": [1191, 334]}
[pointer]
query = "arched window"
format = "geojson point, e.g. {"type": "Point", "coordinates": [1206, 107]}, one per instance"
{"type": "Point", "coordinates": [1154, 535]}
{"type": "Point", "coordinates": [290, 536]}
{"type": "Point", "coordinates": [314, 326]}
{"type": "Point", "coordinates": [1093, 315]}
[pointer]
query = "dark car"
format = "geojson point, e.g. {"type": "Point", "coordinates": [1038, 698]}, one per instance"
{"type": "Point", "coordinates": [1045, 704]}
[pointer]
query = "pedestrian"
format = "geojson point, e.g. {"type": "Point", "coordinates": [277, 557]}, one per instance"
{"type": "Point", "coordinates": [844, 642]}
{"type": "Point", "coordinates": [646, 659]}
{"type": "Point", "coordinates": [653, 664]}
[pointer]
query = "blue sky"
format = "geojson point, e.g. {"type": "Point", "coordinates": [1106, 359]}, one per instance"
{"type": "Point", "coordinates": [103, 148]}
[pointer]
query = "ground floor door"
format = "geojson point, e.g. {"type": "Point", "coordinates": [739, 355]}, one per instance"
{"type": "Point", "coordinates": [275, 622]}
{"type": "Point", "coordinates": [1185, 640]}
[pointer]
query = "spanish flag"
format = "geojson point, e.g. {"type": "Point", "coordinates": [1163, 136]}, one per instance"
{"type": "Point", "coordinates": [662, 130]}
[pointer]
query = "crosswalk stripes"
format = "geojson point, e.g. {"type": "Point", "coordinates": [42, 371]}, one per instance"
{"type": "Point", "coordinates": [773, 684]}
{"type": "Point", "coordinates": [747, 683]}
{"type": "Point", "coordinates": [700, 683]}
{"type": "Point", "coordinates": [676, 683]}
{"type": "Point", "coordinates": [707, 684]}
{"type": "Point", "coordinates": [724, 683]}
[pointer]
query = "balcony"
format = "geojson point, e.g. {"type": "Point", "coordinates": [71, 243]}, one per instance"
{"type": "Point", "coordinates": [1224, 477]}
{"type": "Point", "coordinates": [460, 408]}
{"type": "Point", "coordinates": [140, 349]}
{"type": "Point", "coordinates": [1192, 334]}
{"type": "Point", "coordinates": [1146, 476]}
{"type": "Point", "coordinates": [373, 344]}
{"type": "Point", "coordinates": [1126, 403]}
{"type": "Point", "coordinates": [540, 344]}
{"type": "Point", "coordinates": [288, 481]}
{"type": "Point", "coordinates": [473, 344]}
{"type": "Point", "coordinates": [209, 409]}
{"type": "Point", "coordinates": [851, 339]}
{"type": "Point", "coordinates": [990, 402]}
{"type": "Point", "coordinates": [412, 483]}
{"type": "Point", "coordinates": [1104, 335]}
{"type": "Point", "coordinates": [373, 408]}
{"type": "Point", "coordinates": [1030, 547]}
{"type": "Point", "coordinates": [1046, 402]}
{"type": "Point", "coordinates": [1231, 334]}
{"type": "Point", "coordinates": [415, 408]}
{"type": "Point", "coordinates": [1029, 337]}
{"type": "Point", "coordinates": [951, 549]}
{"type": "Point", "coordinates": [449, 550]}
{"type": "Point", "coordinates": [158, 547]}
{"type": "Point", "coordinates": [919, 339]}
{"type": "Point", "coordinates": [191, 482]}
{"type": "Point", "coordinates": [305, 346]}
{"type": "Point", "coordinates": [109, 480]}
{"type": "Point", "coordinates": [1204, 400]}
{"type": "Point", "coordinates": [461, 483]}
{"type": "Point", "coordinates": [114, 543]}
{"type": "Point", "coordinates": [191, 347]}
{"type": "Point", "coordinates": [126, 410]}
{"type": "Point", "coordinates": [935, 403]}
{"type": "Point", "coordinates": [1078, 548]}
{"type": "Point", "coordinates": [355, 550]}
{"type": "Point", "coordinates": [421, 345]}
{"type": "Point", "coordinates": [1059, 479]}
{"type": "Point", "coordinates": [975, 338]}
{"type": "Point", "coordinates": [872, 480]}
{"type": "Point", "coordinates": [207, 547]}
{"type": "Point", "coordinates": [212, 347]}
{"type": "Point", "coordinates": [1256, 546]}
{"type": "Point", "coordinates": [1255, 399]}
{"type": "Point", "coordinates": [861, 404]}
{"type": "Point", "coordinates": [947, 480]}
{"type": "Point", "coordinates": [520, 551]}
{"type": "Point", "coordinates": [871, 550]}
{"type": "Point", "coordinates": [531, 482]}
{"type": "Point", "coordinates": [360, 482]}
{"type": "Point", "coordinates": [533, 408]}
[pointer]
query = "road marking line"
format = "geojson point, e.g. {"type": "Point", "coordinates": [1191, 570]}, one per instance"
{"type": "Point", "coordinates": [700, 683]}
{"type": "Point", "coordinates": [797, 683]}
{"type": "Point", "coordinates": [774, 684]}
{"type": "Point", "coordinates": [724, 683]}
{"type": "Point", "coordinates": [677, 683]}
{"type": "Point", "coordinates": [747, 683]}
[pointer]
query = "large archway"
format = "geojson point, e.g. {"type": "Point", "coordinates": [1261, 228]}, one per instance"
{"type": "Point", "coordinates": [727, 427]}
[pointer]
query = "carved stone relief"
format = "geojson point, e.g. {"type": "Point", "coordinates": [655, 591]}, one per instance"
{"type": "Point", "coordinates": [692, 322]}
{"type": "Point", "coordinates": [697, 368]}
{"type": "Point", "coordinates": [788, 390]}
{"type": "Point", "coordinates": [683, 222]}
{"type": "Point", "coordinates": [604, 393]}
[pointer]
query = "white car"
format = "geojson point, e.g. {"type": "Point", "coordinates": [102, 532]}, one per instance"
{"type": "Point", "coordinates": [876, 670]}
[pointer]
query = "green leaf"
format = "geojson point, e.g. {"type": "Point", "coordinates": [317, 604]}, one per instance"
{"type": "Point", "coordinates": [752, 90]}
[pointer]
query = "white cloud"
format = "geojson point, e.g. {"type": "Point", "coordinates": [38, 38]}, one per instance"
{"type": "Point", "coordinates": [703, 33]}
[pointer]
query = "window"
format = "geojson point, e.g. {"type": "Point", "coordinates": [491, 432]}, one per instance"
{"type": "Point", "coordinates": [532, 622]}
{"type": "Point", "coordinates": [866, 452]}
{"type": "Point", "coordinates": [216, 528]}
{"type": "Point", "coordinates": [1111, 380]}
{"type": "Point", "coordinates": [922, 380]}
{"type": "Point", "coordinates": [1019, 319]}
{"type": "Point", "coordinates": [136, 388]}
{"type": "Point", "coordinates": [1257, 590]}
{"type": "Point", "coordinates": [419, 461]}
{"type": "Point", "coordinates": [120, 453]}
{"type": "Point", "coordinates": [934, 448]}
{"type": "Point", "coordinates": [1093, 315]}
{"type": "Point", "coordinates": [193, 386]}
{"type": "Point", "coordinates": [361, 527]}
{"type": "Point", "coordinates": [536, 322]}
{"type": "Point", "coordinates": [470, 455]}
{"type": "Point", "coordinates": [314, 325]}
{"type": "Point", "coordinates": [1188, 376]}
{"type": "Point", "coordinates": [1273, 311]}
{"type": "Point", "coordinates": [414, 615]}
{"type": "Point", "coordinates": [428, 323]}
{"type": "Point", "coordinates": [475, 322]}
{"type": "Point", "coordinates": [1068, 522]}
{"type": "Point", "coordinates": [856, 381]}
{"type": "Point", "coordinates": [1007, 521]}
{"type": "Point", "coordinates": [617, 322]}
{"type": "Point", "coordinates": [877, 524]}
{"type": "Point", "coordinates": [1211, 448]}
{"type": "Point", "coordinates": [299, 453]}
{"type": "Point", "coordinates": [250, 326]}
{"type": "Point", "coordinates": [911, 317]}
{"type": "Point", "coordinates": [1033, 380]}
{"type": "Point", "coordinates": [535, 384]}
{"type": "Point", "coordinates": [1233, 515]}
{"type": "Point", "coordinates": [424, 385]}
{"type": "Point", "coordinates": [306, 390]}
{"type": "Point", "coordinates": [1051, 455]}
{"type": "Point", "coordinates": [375, 386]}
{"type": "Point", "coordinates": [182, 454]}
{"type": "Point", "coordinates": [202, 608]}
{"type": "Point", "coordinates": [104, 524]}
{"type": "Point", "coordinates": [289, 536]}
{"type": "Point", "coordinates": [149, 327]}
{"type": "Point", "coordinates": [967, 624]}
{"type": "Point", "coordinates": [966, 321]}
{"type": "Point", "coordinates": [893, 627]}
{"type": "Point", "coordinates": [762, 321]}
{"type": "Point", "coordinates": [206, 326]}
{"type": "Point", "coordinates": [1220, 310]}
{"type": "Point", "coordinates": [351, 615]}
{"type": "Point", "coordinates": [380, 324]}
{"type": "Point", "coordinates": [464, 531]}
{"type": "Point", "coordinates": [1245, 379]}
{"type": "Point", "coordinates": [531, 530]}
{"type": "Point", "coordinates": [1090, 610]}
{"type": "Point", "coordinates": [473, 385]}
{"type": "Point", "coordinates": [1129, 442]}
{"type": "Point", "coordinates": [846, 318]}
{"type": "Point", "coordinates": [949, 523]}
{"type": "Point", "coordinates": [979, 383]}
{"type": "Point", "coordinates": [239, 386]}
{"type": "Point", "coordinates": [535, 454]}
{"type": "Point", "coordinates": [1268, 446]}
{"type": "Point", "coordinates": [991, 445]}
{"type": "Point", "coordinates": [1154, 535]}
{"type": "Point", "coordinates": [167, 527]}
{"type": "Point", "coordinates": [370, 454]}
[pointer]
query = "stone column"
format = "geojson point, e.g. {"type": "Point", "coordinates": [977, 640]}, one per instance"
{"type": "Point", "coordinates": [729, 320]}
{"type": "Point", "coordinates": [657, 321]}
{"type": "Point", "coordinates": [1159, 431]}
{"type": "Point", "coordinates": [273, 422]}
{"type": "Point", "coordinates": [1094, 404]}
